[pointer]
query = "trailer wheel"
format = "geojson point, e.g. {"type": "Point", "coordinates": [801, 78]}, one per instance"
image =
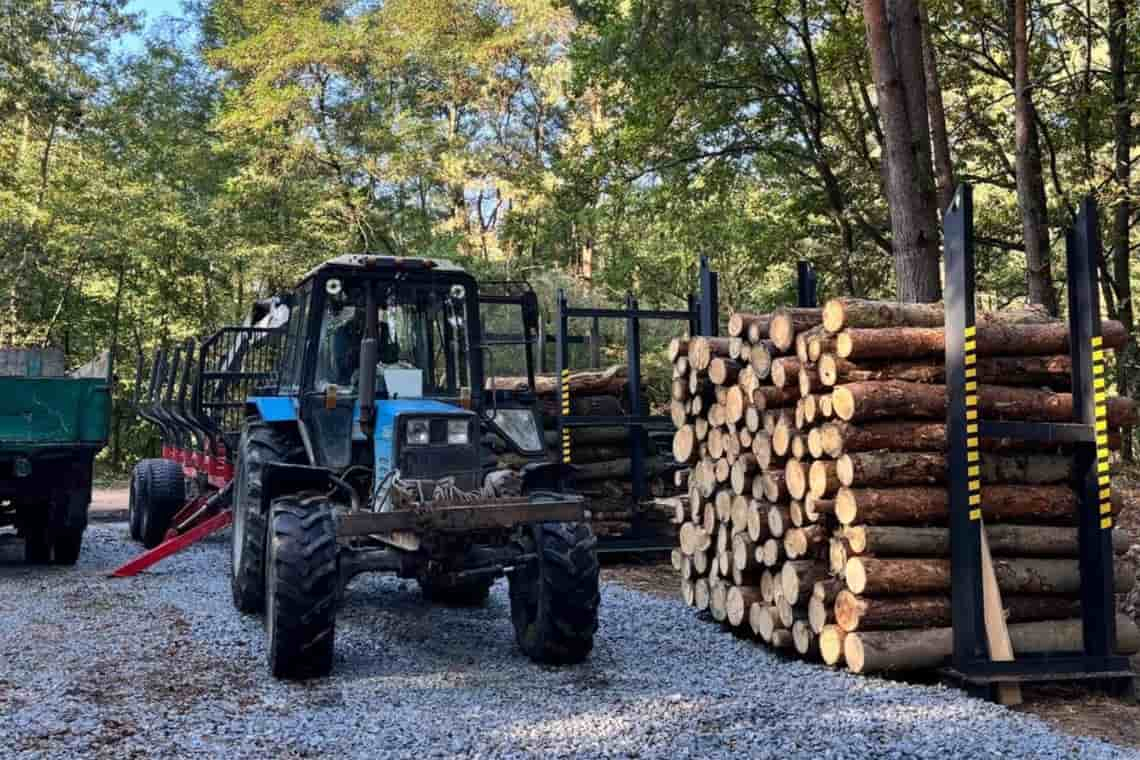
{"type": "Point", "coordinates": [164, 495]}
{"type": "Point", "coordinates": [440, 589]}
{"type": "Point", "coordinates": [260, 445]}
{"type": "Point", "coordinates": [554, 598]}
{"type": "Point", "coordinates": [136, 498]}
{"type": "Point", "coordinates": [301, 587]}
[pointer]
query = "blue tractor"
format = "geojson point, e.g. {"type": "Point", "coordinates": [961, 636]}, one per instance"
{"type": "Point", "coordinates": [367, 451]}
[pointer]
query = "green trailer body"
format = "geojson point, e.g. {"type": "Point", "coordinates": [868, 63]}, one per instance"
{"type": "Point", "coordinates": [51, 428]}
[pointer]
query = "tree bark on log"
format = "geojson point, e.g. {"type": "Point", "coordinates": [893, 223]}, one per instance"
{"type": "Point", "coordinates": [838, 438]}
{"type": "Point", "coordinates": [1051, 371]}
{"type": "Point", "coordinates": [885, 651]}
{"type": "Point", "coordinates": [889, 577]}
{"type": "Point", "coordinates": [896, 399]}
{"type": "Point", "coordinates": [703, 349]}
{"type": "Point", "coordinates": [739, 323]}
{"type": "Point", "coordinates": [839, 313]}
{"type": "Point", "coordinates": [785, 323]}
{"type": "Point", "coordinates": [918, 505]}
{"type": "Point", "coordinates": [904, 468]}
{"type": "Point", "coordinates": [1008, 540]}
{"type": "Point", "coordinates": [823, 478]}
{"type": "Point", "coordinates": [607, 382]}
{"type": "Point", "coordinates": [785, 372]}
{"type": "Point", "coordinates": [992, 340]}
{"type": "Point", "coordinates": [864, 613]}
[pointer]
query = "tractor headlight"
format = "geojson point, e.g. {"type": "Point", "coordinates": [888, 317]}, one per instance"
{"type": "Point", "coordinates": [457, 432]}
{"type": "Point", "coordinates": [419, 432]}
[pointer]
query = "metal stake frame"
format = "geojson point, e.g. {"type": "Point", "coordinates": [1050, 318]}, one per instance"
{"type": "Point", "coordinates": [1088, 435]}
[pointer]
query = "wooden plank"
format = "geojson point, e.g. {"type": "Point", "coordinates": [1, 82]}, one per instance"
{"type": "Point", "coordinates": [997, 634]}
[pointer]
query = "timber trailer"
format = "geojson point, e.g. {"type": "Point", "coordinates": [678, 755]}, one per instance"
{"type": "Point", "coordinates": [337, 429]}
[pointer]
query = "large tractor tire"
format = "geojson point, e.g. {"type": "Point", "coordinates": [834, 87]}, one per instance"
{"type": "Point", "coordinates": [260, 445]}
{"type": "Point", "coordinates": [554, 598]}
{"type": "Point", "coordinates": [37, 535]}
{"type": "Point", "coordinates": [66, 545]}
{"type": "Point", "coordinates": [301, 587]}
{"type": "Point", "coordinates": [467, 593]}
{"type": "Point", "coordinates": [164, 495]}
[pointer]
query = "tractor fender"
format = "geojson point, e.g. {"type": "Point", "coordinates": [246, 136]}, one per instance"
{"type": "Point", "coordinates": [280, 479]}
{"type": "Point", "coordinates": [273, 409]}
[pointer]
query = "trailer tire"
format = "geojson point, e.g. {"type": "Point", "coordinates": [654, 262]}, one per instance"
{"type": "Point", "coordinates": [134, 503]}
{"type": "Point", "coordinates": [164, 496]}
{"type": "Point", "coordinates": [302, 581]}
{"type": "Point", "coordinates": [471, 593]}
{"type": "Point", "coordinates": [554, 598]}
{"type": "Point", "coordinates": [260, 445]}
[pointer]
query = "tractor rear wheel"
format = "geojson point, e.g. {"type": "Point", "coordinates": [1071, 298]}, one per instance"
{"type": "Point", "coordinates": [554, 598]}
{"type": "Point", "coordinates": [301, 587]}
{"type": "Point", "coordinates": [67, 544]}
{"type": "Point", "coordinates": [467, 593]}
{"type": "Point", "coordinates": [164, 495]}
{"type": "Point", "coordinates": [260, 445]}
{"type": "Point", "coordinates": [37, 535]}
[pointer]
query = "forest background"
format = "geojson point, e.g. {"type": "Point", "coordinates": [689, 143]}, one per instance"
{"type": "Point", "coordinates": [160, 172]}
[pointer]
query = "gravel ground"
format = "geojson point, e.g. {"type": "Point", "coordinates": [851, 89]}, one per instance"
{"type": "Point", "coordinates": [161, 665]}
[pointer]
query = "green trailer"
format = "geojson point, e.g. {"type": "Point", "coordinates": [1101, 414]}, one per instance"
{"type": "Point", "coordinates": [51, 428]}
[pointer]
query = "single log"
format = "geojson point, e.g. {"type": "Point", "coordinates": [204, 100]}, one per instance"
{"type": "Point", "coordinates": [857, 312]}
{"type": "Point", "coordinates": [867, 575]}
{"type": "Point", "coordinates": [796, 478]}
{"type": "Point", "coordinates": [678, 413]}
{"type": "Point", "coordinates": [831, 644]}
{"type": "Point", "coordinates": [752, 420]}
{"type": "Point", "coordinates": [896, 398]}
{"type": "Point", "coordinates": [915, 649]}
{"type": "Point", "coordinates": [589, 436]}
{"type": "Point", "coordinates": [739, 514]}
{"type": "Point", "coordinates": [739, 322]}
{"type": "Point", "coordinates": [702, 350]}
{"type": "Point", "coordinates": [798, 577]}
{"type": "Point", "coordinates": [687, 592]}
{"type": "Point", "coordinates": [743, 552]}
{"type": "Point", "coordinates": [779, 520]}
{"type": "Point", "coordinates": [855, 613]}
{"type": "Point", "coordinates": [681, 367]}
{"type": "Point", "coordinates": [809, 381]}
{"type": "Point", "coordinates": [767, 586]}
{"type": "Point", "coordinates": [1051, 371]}
{"type": "Point", "coordinates": [804, 639]}
{"type": "Point", "coordinates": [678, 348]}
{"type": "Point", "coordinates": [735, 404]}
{"type": "Point", "coordinates": [837, 555]}
{"type": "Point", "coordinates": [814, 507]}
{"type": "Point", "coordinates": [836, 438]}
{"type": "Point", "coordinates": [617, 469]}
{"type": "Point", "coordinates": [785, 323]}
{"type": "Point", "coordinates": [798, 542]}
{"type": "Point", "coordinates": [917, 505]}
{"type": "Point", "coordinates": [820, 613]}
{"type": "Point", "coordinates": [785, 371]}
{"type": "Point", "coordinates": [1009, 540]}
{"type": "Point", "coordinates": [685, 445]}
{"type": "Point", "coordinates": [774, 397]}
{"type": "Point", "coordinates": [818, 345]}
{"type": "Point", "coordinates": [608, 382]}
{"type": "Point", "coordinates": [770, 553]}
{"type": "Point", "coordinates": [814, 442]}
{"type": "Point", "coordinates": [775, 487]}
{"type": "Point", "coordinates": [722, 504]}
{"type": "Point", "coordinates": [718, 601]}
{"type": "Point", "coordinates": [757, 522]}
{"type": "Point", "coordinates": [701, 593]}
{"type": "Point", "coordinates": [742, 473]}
{"type": "Point", "coordinates": [810, 408]}
{"type": "Point", "coordinates": [900, 468]}
{"type": "Point", "coordinates": [827, 590]}
{"type": "Point", "coordinates": [826, 406]}
{"type": "Point", "coordinates": [739, 601]}
{"type": "Point", "coordinates": [823, 478]}
{"type": "Point", "coordinates": [760, 360]}
{"type": "Point", "coordinates": [788, 613]}
{"type": "Point", "coordinates": [723, 371]}
{"type": "Point", "coordinates": [992, 340]}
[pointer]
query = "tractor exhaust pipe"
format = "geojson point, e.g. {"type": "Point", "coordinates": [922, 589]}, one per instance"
{"type": "Point", "coordinates": [369, 353]}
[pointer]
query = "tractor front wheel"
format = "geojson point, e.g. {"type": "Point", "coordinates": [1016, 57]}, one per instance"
{"type": "Point", "coordinates": [555, 597]}
{"type": "Point", "coordinates": [301, 587]}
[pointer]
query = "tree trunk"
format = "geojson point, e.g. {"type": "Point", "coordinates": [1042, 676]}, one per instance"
{"type": "Point", "coordinates": [743, 324]}
{"type": "Point", "coordinates": [883, 651]}
{"type": "Point", "coordinates": [863, 613]}
{"type": "Point", "coordinates": [897, 399]}
{"type": "Point", "coordinates": [897, 47]}
{"type": "Point", "coordinates": [1030, 175]}
{"type": "Point", "coordinates": [943, 167]}
{"type": "Point", "coordinates": [1008, 540]}
{"type": "Point", "coordinates": [918, 505]}
{"type": "Point", "coordinates": [867, 575]}
{"type": "Point", "coordinates": [992, 340]}
{"type": "Point", "coordinates": [1122, 99]}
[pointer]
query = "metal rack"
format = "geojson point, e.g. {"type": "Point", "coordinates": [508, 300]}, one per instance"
{"type": "Point", "coordinates": [1087, 433]}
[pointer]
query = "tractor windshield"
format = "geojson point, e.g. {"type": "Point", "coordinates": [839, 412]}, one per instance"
{"type": "Point", "coordinates": [423, 339]}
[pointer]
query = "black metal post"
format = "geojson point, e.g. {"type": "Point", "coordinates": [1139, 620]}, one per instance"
{"type": "Point", "coordinates": [805, 285]}
{"type": "Point", "coordinates": [1091, 459]}
{"type": "Point", "coordinates": [963, 431]}
{"type": "Point", "coordinates": [694, 308]}
{"type": "Point", "coordinates": [710, 299]}
{"type": "Point", "coordinates": [636, 432]}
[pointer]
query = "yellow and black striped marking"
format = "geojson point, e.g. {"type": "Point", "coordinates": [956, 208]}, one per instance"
{"type": "Point", "coordinates": [1103, 480]}
{"type": "Point", "coordinates": [973, 458]}
{"type": "Point", "coordinates": [566, 413]}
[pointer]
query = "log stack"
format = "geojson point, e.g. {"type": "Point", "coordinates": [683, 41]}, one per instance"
{"type": "Point", "coordinates": [601, 456]}
{"type": "Point", "coordinates": [816, 516]}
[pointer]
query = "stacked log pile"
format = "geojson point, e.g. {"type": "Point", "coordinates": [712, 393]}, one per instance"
{"type": "Point", "coordinates": [601, 455]}
{"type": "Point", "coordinates": [816, 516]}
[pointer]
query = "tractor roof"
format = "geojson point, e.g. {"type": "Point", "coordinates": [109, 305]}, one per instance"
{"type": "Point", "coordinates": [372, 262]}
